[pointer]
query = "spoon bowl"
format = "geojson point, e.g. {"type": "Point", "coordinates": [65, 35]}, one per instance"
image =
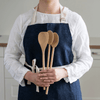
{"type": "Point", "coordinates": [51, 37]}
{"type": "Point", "coordinates": [56, 40]}
{"type": "Point", "coordinates": [43, 40]}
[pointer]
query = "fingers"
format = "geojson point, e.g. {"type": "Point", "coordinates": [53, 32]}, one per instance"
{"type": "Point", "coordinates": [47, 70]}
{"type": "Point", "coordinates": [47, 78]}
{"type": "Point", "coordinates": [42, 74]}
{"type": "Point", "coordinates": [41, 83]}
{"type": "Point", "coordinates": [46, 74]}
{"type": "Point", "coordinates": [49, 81]}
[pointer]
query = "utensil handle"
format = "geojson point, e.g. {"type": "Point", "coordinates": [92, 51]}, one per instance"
{"type": "Point", "coordinates": [28, 82]}
{"type": "Point", "coordinates": [48, 57]}
{"type": "Point", "coordinates": [51, 66]}
{"type": "Point", "coordinates": [47, 91]}
{"type": "Point", "coordinates": [48, 64]}
{"type": "Point", "coordinates": [52, 57]}
{"type": "Point", "coordinates": [43, 61]}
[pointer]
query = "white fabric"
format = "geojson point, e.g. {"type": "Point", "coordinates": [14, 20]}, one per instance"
{"type": "Point", "coordinates": [80, 45]}
{"type": "Point", "coordinates": [33, 68]}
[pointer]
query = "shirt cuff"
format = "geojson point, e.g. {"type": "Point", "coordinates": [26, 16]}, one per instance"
{"type": "Point", "coordinates": [70, 77]}
{"type": "Point", "coordinates": [66, 79]}
{"type": "Point", "coordinates": [21, 79]}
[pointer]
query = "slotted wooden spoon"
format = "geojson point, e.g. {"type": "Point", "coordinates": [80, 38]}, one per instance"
{"type": "Point", "coordinates": [54, 44]}
{"type": "Point", "coordinates": [43, 41]}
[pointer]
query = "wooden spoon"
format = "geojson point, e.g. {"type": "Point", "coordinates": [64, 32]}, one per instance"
{"type": "Point", "coordinates": [50, 41]}
{"type": "Point", "coordinates": [43, 41]}
{"type": "Point", "coordinates": [54, 44]}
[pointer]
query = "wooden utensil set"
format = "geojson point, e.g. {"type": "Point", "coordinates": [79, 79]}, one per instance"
{"type": "Point", "coordinates": [52, 39]}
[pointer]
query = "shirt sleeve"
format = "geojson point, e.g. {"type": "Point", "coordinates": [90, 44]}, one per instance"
{"type": "Point", "coordinates": [13, 53]}
{"type": "Point", "coordinates": [81, 48]}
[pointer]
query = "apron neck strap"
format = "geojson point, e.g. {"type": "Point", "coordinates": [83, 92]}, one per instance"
{"type": "Point", "coordinates": [62, 15]}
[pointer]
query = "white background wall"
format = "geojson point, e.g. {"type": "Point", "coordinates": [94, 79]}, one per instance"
{"type": "Point", "coordinates": [88, 9]}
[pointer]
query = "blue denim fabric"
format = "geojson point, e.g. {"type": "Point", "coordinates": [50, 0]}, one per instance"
{"type": "Point", "coordinates": [63, 55]}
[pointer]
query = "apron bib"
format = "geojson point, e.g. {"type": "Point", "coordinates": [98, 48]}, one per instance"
{"type": "Point", "coordinates": [63, 55]}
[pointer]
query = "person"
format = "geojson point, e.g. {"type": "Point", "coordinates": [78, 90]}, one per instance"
{"type": "Point", "coordinates": [63, 78]}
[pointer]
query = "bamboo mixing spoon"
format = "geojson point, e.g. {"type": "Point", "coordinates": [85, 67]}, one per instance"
{"type": "Point", "coordinates": [43, 41]}
{"type": "Point", "coordinates": [50, 41]}
{"type": "Point", "coordinates": [54, 44]}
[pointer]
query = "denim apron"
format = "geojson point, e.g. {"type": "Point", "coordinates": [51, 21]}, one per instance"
{"type": "Point", "coordinates": [63, 55]}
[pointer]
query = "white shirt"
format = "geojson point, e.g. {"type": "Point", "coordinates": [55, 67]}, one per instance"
{"type": "Point", "coordinates": [80, 44]}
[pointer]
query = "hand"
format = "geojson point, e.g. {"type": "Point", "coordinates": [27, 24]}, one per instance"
{"type": "Point", "coordinates": [60, 73]}
{"type": "Point", "coordinates": [34, 78]}
{"type": "Point", "coordinates": [53, 75]}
